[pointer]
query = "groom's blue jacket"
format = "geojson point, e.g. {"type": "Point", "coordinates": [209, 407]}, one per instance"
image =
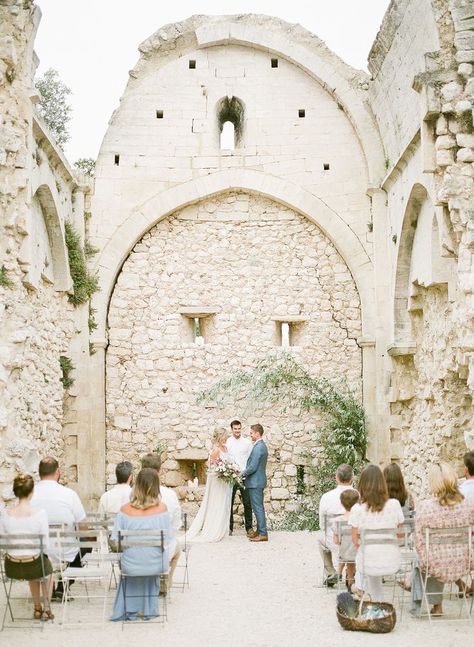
{"type": "Point", "coordinates": [254, 472]}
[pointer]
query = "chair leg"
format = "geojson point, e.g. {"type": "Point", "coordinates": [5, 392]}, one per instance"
{"type": "Point", "coordinates": [8, 606]}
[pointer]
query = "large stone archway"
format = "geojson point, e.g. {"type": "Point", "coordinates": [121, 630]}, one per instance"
{"type": "Point", "coordinates": [241, 267]}
{"type": "Point", "coordinates": [147, 215]}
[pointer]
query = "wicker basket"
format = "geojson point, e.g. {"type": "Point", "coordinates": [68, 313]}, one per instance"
{"type": "Point", "coordinates": [373, 625]}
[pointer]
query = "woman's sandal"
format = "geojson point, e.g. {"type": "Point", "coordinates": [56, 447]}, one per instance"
{"type": "Point", "coordinates": [38, 613]}
{"type": "Point", "coordinates": [48, 614]}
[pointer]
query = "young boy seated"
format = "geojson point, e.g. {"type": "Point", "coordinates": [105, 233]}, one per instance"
{"type": "Point", "coordinates": [347, 550]}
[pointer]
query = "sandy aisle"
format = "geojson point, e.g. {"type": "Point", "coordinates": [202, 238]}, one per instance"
{"type": "Point", "coordinates": [247, 595]}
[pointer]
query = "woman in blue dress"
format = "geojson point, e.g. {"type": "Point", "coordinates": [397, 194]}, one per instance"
{"type": "Point", "coordinates": [141, 566]}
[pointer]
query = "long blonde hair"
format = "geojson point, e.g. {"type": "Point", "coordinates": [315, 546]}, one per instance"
{"type": "Point", "coordinates": [146, 491]}
{"type": "Point", "coordinates": [219, 433]}
{"type": "Point", "coordinates": [443, 483]}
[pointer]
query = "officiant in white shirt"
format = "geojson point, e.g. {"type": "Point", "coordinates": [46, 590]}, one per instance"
{"type": "Point", "coordinates": [239, 449]}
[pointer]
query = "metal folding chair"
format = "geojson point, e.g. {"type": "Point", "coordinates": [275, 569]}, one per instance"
{"type": "Point", "coordinates": [103, 525]}
{"type": "Point", "coordinates": [96, 573]}
{"type": "Point", "coordinates": [326, 524]}
{"type": "Point", "coordinates": [185, 548]}
{"type": "Point", "coordinates": [383, 537]}
{"type": "Point", "coordinates": [22, 541]}
{"type": "Point", "coordinates": [457, 541]}
{"type": "Point", "coordinates": [344, 533]}
{"type": "Point", "coordinates": [402, 578]}
{"type": "Point", "coordinates": [142, 539]}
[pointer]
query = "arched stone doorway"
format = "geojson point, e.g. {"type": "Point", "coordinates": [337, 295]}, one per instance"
{"type": "Point", "coordinates": [214, 287]}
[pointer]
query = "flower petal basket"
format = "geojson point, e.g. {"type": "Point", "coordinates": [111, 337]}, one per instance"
{"type": "Point", "coordinates": [372, 625]}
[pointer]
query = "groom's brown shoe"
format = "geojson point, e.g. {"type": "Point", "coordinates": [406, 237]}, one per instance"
{"type": "Point", "coordinates": [252, 533]}
{"type": "Point", "coordinates": [259, 538]}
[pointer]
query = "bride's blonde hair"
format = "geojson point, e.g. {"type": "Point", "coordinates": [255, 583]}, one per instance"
{"type": "Point", "coordinates": [218, 435]}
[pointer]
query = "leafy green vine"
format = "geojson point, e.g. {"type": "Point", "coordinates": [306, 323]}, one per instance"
{"type": "Point", "coordinates": [280, 380]}
{"type": "Point", "coordinates": [84, 283]}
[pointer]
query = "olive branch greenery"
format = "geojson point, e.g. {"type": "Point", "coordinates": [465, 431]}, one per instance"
{"type": "Point", "coordinates": [341, 438]}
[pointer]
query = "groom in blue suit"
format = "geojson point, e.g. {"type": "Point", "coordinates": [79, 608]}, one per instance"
{"type": "Point", "coordinates": [256, 479]}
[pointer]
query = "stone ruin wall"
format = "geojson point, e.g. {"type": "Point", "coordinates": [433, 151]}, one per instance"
{"type": "Point", "coordinates": [431, 397]}
{"type": "Point", "coordinates": [37, 322]}
{"type": "Point", "coordinates": [431, 389]}
{"type": "Point", "coordinates": [250, 260]}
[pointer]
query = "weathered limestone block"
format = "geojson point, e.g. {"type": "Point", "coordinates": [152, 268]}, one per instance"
{"type": "Point", "coordinates": [279, 493]}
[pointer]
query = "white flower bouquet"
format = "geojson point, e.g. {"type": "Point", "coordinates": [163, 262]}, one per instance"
{"type": "Point", "coordinates": [227, 470]}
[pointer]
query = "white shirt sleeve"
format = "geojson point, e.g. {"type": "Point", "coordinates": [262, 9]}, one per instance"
{"type": "Point", "coordinates": [354, 516]}
{"type": "Point", "coordinates": [322, 507]}
{"type": "Point", "coordinates": [44, 528]}
{"type": "Point", "coordinates": [77, 508]}
{"type": "Point", "coordinates": [175, 512]}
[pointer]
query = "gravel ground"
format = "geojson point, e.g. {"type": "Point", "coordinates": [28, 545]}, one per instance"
{"type": "Point", "coordinates": [244, 594]}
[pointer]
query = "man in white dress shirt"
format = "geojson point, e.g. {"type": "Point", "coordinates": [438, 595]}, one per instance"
{"type": "Point", "coordinates": [329, 506]}
{"type": "Point", "coordinates": [239, 449]}
{"type": "Point", "coordinates": [467, 486]}
{"type": "Point", "coordinates": [170, 499]}
{"type": "Point", "coordinates": [112, 500]}
{"type": "Point", "coordinates": [63, 506]}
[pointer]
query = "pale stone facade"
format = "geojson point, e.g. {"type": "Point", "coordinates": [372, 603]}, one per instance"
{"type": "Point", "coordinates": [254, 264]}
{"type": "Point", "coordinates": [374, 172]}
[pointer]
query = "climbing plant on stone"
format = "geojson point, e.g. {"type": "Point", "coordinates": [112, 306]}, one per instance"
{"type": "Point", "coordinates": [279, 380]}
{"type": "Point", "coordinates": [84, 283]}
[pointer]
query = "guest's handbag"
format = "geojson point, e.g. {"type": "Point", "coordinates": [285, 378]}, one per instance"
{"type": "Point", "coordinates": [374, 617]}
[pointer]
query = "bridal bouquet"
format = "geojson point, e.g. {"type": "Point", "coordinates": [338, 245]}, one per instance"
{"type": "Point", "coordinates": [227, 470]}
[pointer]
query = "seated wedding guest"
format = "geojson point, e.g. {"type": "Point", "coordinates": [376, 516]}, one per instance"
{"type": "Point", "coordinates": [447, 508]}
{"type": "Point", "coordinates": [347, 551]}
{"type": "Point", "coordinates": [375, 511]}
{"type": "Point", "coordinates": [142, 565]}
{"type": "Point", "coordinates": [170, 499]}
{"type": "Point", "coordinates": [112, 500]}
{"type": "Point", "coordinates": [467, 486]}
{"type": "Point", "coordinates": [396, 488]}
{"type": "Point", "coordinates": [62, 506]}
{"type": "Point", "coordinates": [23, 563]}
{"type": "Point", "coordinates": [329, 506]}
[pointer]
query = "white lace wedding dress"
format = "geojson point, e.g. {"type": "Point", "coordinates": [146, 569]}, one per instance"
{"type": "Point", "coordinates": [212, 520]}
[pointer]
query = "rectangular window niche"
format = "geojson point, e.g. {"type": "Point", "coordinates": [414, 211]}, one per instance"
{"type": "Point", "coordinates": [197, 323]}
{"type": "Point", "coordinates": [288, 330]}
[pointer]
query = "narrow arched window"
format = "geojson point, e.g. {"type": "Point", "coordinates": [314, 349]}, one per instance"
{"type": "Point", "coordinates": [230, 122]}
{"type": "Point", "coordinates": [227, 141]}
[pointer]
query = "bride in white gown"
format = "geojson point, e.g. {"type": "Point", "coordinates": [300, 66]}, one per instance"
{"type": "Point", "coordinates": [212, 520]}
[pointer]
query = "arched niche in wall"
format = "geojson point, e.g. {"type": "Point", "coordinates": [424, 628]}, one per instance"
{"type": "Point", "coordinates": [405, 273]}
{"type": "Point", "coordinates": [423, 260]}
{"type": "Point", "coordinates": [44, 253]}
{"type": "Point", "coordinates": [230, 122]}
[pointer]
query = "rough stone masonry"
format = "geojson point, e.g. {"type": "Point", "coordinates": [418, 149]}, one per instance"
{"type": "Point", "coordinates": [336, 222]}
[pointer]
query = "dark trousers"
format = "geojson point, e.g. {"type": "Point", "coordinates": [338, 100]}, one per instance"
{"type": "Point", "coordinates": [256, 499]}
{"type": "Point", "coordinates": [244, 495]}
{"type": "Point", "coordinates": [76, 563]}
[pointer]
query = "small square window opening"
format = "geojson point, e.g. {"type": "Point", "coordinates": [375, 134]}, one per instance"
{"type": "Point", "coordinates": [159, 114]}
{"type": "Point", "coordinates": [326, 166]}
{"type": "Point", "coordinates": [192, 64]}
{"type": "Point", "coordinates": [301, 113]}
{"type": "Point", "coordinates": [274, 62]}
